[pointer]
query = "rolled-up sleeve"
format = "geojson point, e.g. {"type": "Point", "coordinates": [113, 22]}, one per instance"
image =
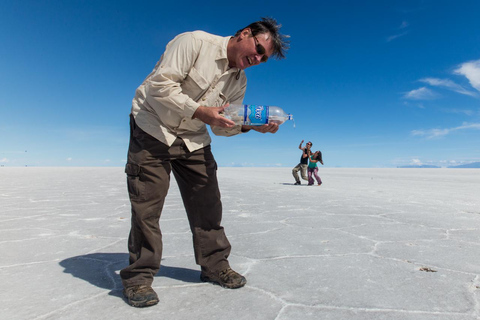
{"type": "Point", "coordinates": [163, 88]}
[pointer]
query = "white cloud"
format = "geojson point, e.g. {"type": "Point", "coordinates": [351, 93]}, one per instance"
{"type": "Point", "coordinates": [69, 159]}
{"type": "Point", "coordinates": [4, 160]}
{"type": "Point", "coordinates": [417, 162]}
{"type": "Point", "coordinates": [404, 25]}
{"type": "Point", "coordinates": [475, 126]}
{"type": "Point", "coordinates": [471, 70]}
{"type": "Point", "coordinates": [436, 133]}
{"type": "Point", "coordinates": [390, 38]}
{"type": "Point", "coordinates": [432, 133]}
{"type": "Point", "coordinates": [449, 84]}
{"type": "Point", "coordinates": [463, 111]}
{"type": "Point", "coordinates": [416, 104]}
{"type": "Point", "coordinates": [421, 106]}
{"type": "Point", "coordinates": [422, 93]}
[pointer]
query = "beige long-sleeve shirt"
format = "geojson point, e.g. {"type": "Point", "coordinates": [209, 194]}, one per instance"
{"type": "Point", "coordinates": [192, 72]}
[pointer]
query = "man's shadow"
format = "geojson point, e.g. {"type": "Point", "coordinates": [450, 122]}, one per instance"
{"type": "Point", "coordinates": [101, 270]}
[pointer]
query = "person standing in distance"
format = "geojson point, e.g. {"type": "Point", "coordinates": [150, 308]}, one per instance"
{"type": "Point", "coordinates": [196, 78]}
{"type": "Point", "coordinates": [303, 165]}
{"type": "Point", "coordinates": [312, 167]}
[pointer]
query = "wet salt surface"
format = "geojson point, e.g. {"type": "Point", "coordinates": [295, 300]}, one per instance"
{"type": "Point", "coordinates": [367, 244]}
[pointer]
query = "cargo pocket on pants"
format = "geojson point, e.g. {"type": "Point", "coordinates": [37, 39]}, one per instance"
{"type": "Point", "coordinates": [136, 187]}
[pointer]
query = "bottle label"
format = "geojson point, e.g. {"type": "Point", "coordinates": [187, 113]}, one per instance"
{"type": "Point", "coordinates": [256, 115]}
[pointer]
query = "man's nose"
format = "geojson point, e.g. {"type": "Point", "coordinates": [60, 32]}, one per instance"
{"type": "Point", "coordinates": [258, 58]}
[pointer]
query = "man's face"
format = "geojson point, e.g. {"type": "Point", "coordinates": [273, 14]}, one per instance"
{"type": "Point", "coordinates": [309, 145]}
{"type": "Point", "coordinates": [250, 50]}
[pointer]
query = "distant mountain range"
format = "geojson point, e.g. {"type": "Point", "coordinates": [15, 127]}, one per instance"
{"type": "Point", "coordinates": [468, 165]}
{"type": "Point", "coordinates": [419, 166]}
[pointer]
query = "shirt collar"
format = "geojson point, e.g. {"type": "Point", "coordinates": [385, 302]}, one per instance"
{"type": "Point", "coordinates": [222, 55]}
{"type": "Point", "coordinates": [222, 52]}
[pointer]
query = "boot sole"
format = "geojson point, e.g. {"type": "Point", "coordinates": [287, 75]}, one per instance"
{"type": "Point", "coordinates": [142, 304]}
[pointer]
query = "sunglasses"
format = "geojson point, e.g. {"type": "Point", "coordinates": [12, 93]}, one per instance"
{"type": "Point", "coordinates": [260, 49]}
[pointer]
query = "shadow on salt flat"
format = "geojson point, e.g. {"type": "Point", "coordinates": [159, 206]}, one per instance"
{"type": "Point", "coordinates": [102, 270]}
{"type": "Point", "coordinates": [305, 184]}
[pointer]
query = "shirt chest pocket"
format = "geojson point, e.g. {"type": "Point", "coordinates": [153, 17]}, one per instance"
{"type": "Point", "coordinates": [194, 85]}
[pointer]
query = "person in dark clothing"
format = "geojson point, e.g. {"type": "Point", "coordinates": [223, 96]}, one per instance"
{"type": "Point", "coordinates": [196, 78]}
{"type": "Point", "coordinates": [302, 166]}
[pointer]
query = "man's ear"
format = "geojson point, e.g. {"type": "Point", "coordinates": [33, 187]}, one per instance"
{"type": "Point", "coordinates": [245, 33]}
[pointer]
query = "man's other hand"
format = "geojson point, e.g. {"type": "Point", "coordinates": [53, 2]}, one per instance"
{"type": "Point", "coordinates": [271, 128]}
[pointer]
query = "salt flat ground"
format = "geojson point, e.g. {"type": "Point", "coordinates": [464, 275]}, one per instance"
{"type": "Point", "coordinates": [367, 244]}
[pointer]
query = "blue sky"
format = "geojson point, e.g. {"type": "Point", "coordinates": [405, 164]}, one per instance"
{"type": "Point", "coordinates": [370, 83]}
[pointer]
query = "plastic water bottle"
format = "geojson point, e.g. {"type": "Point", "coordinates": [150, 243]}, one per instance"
{"type": "Point", "coordinates": [255, 115]}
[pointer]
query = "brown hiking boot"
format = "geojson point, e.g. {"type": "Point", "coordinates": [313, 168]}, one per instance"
{"type": "Point", "coordinates": [226, 278]}
{"type": "Point", "coordinates": [140, 296]}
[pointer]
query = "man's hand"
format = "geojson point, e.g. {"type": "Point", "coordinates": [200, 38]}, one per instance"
{"type": "Point", "coordinates": [211, 116]}
{"type": "Point", "coordinates": [300, 146]}
{"type": "Point", "coordinates": [271, 127]}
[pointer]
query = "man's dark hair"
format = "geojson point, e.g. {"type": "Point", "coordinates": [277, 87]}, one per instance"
{"type": "Point", "coordinates": [269, 25]}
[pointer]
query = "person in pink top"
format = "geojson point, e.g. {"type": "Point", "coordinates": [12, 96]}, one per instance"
{"type": "Point", "coordinates": [313, 169]}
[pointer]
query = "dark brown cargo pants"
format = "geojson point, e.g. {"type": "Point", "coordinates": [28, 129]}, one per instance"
{"type": "Point", "coordinates": [148, 177]}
